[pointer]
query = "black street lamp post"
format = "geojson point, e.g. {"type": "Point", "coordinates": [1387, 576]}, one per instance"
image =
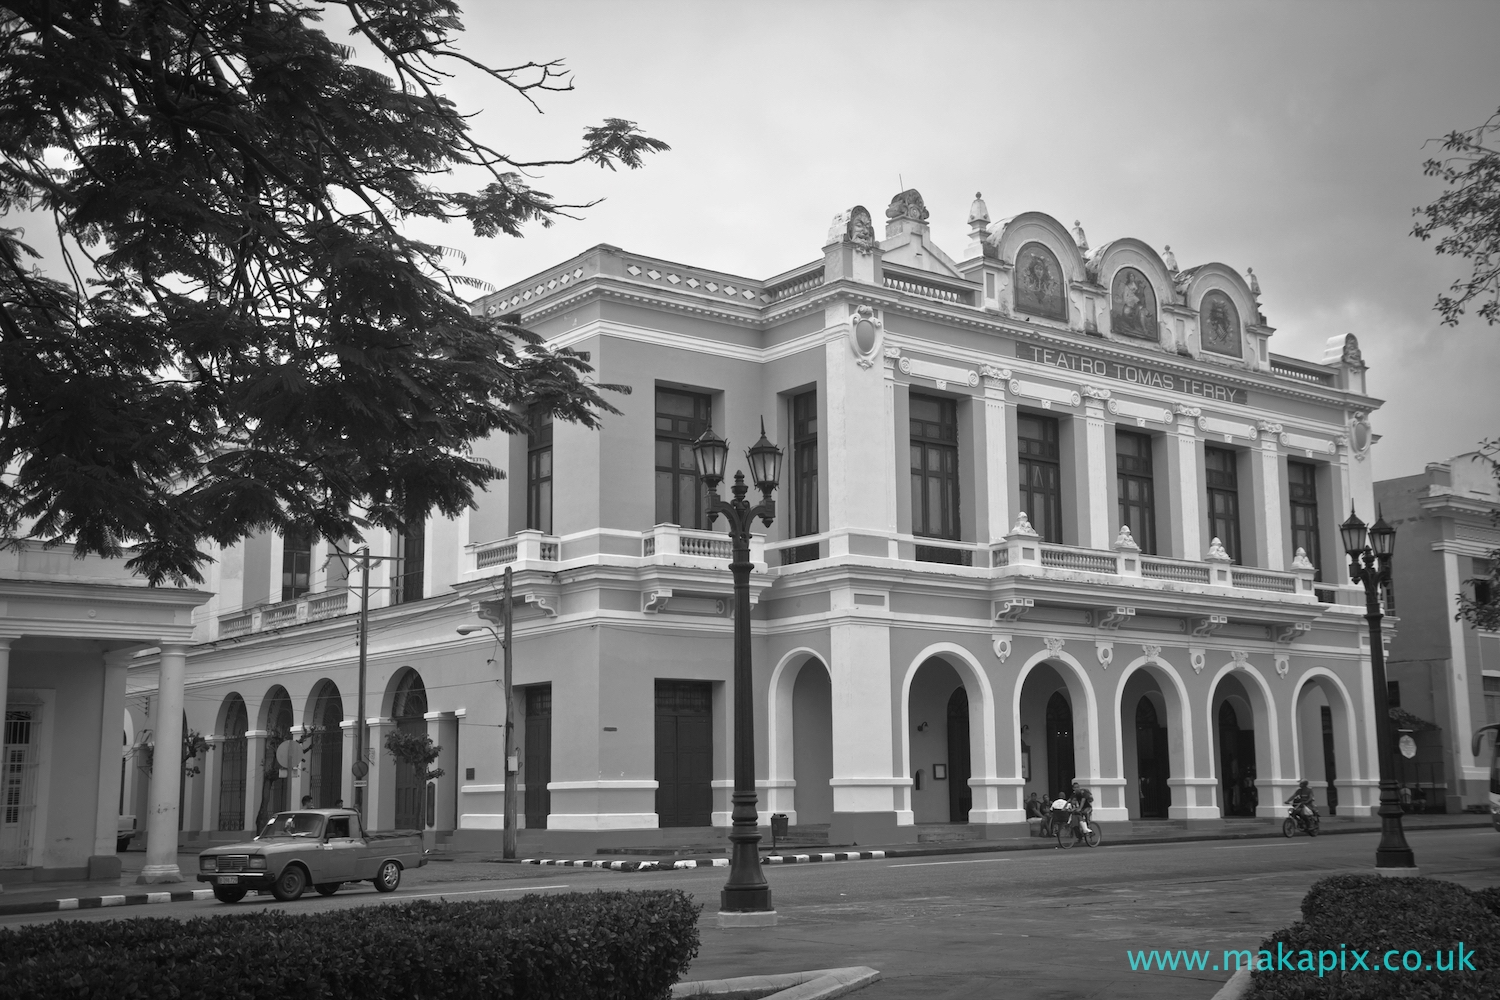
{"type": "Point", "coordinates": [747, 891]}
{"type": "Point", "coordinates": [1370, 565]}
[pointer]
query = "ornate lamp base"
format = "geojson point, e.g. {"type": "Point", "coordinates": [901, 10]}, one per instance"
{"type": "Point", "coordinates": [747, 918]}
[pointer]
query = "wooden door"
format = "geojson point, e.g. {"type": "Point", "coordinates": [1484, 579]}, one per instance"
{"type": "Point", "coordinates": [684, 753]}
{"type": "Point", "coordinates": [538, 759]}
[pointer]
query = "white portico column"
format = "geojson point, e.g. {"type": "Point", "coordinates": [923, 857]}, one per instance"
{"type": "Point", "coordinates": [996, 453]}
{"type": "Point", "coordinates": [1093, 520]}
{"type": "Point", "coordinates": [1182, 472]}
{"type": "Point", "coordinates": [1268, 488]}
{"type": "Point", "coordinates": [166, 770]}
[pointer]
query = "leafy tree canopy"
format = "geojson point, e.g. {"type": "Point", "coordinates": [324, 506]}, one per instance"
{"type": "Point", "coordinates": [246, 338]}
{"type": "Point", "coordinates": [1468, 216]}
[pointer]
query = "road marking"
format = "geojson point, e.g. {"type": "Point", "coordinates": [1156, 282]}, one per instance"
{"type": "Point", "coordinates": [924, 864]}
{"type": "Point", "coordinates": [1246, 847]}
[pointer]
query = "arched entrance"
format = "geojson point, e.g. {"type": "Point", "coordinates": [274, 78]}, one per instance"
{"type": "Point", "coordinates": [938, 744]}
{"type": "Point", "coordinates": [409, 709]}
{"type": "Point", "coordinates": [1061, 765]}
{"type": "Point", "coordinates": [1153, 764]}
{"type": "Point", "coordinates": [1325, 749]}
{"type": "Point", "coordinates": [232, 763]}
{"type": "Point", "coordinates": [812, 743]}
{"type": "Point", "coordinates": [325, 752]}
{"type": "Point", "coordinates": [275, 788]}
{"type": "Point", "coordinates": [1246, 760]}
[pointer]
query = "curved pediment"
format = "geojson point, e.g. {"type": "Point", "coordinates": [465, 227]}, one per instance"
{"type": "Point", "coordinates": [1224, 304]}
{"type": "Point", "coordinates": [1138, 284]}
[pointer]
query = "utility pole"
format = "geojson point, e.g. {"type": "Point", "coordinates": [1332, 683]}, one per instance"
{"type": "Point", "coordinates": [509, 846]}
{"type": "Point", "coordinates": [361, 768]}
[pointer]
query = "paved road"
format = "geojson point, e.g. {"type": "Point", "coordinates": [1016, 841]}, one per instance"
{"type": "Point", "coordinates": [1042, 924]}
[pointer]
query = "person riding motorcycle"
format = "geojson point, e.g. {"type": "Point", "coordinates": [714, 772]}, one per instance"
{"type": "Point", "coordinates": [1302, 803]}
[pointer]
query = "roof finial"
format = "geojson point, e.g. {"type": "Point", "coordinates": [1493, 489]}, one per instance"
{"type": "Point", "coordinates": [1078, 237]}
{"type": "Point", "coordinates": [1170, 259]}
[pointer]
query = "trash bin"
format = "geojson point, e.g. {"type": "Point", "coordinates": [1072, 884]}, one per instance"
{"type": "Point", "coordinates": [778, 828]}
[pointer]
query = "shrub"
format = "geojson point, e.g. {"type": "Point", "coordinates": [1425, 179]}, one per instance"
{"type": "Point", "coordinates": [599, 946]}
{"type": "Point", "coordinates": [1372, 913]}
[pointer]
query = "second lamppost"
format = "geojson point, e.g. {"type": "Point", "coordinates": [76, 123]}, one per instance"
{"type": "Point", "coordinates": [1370, 565]}
{"type": "Point", "coordinates": [746, 898]}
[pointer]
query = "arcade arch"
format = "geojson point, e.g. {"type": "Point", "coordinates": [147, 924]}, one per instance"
{"type": "Point", "coordinates": [1244, 749]}
{"type": "Point", "coordinates": [325, 751]}
{"type": "Point", "coordinates": [948, 726]}
{"type": "Point", "coordinates": [409, 710]}
{"type": "Point", "coordinates": [799, 754]}
{"type": "Point", "coordinates": [1056, 717]}
{"type": "Point", "coordinates": [276, 720]}
{"type": "Point", "coordinates": [232, 724]}
{"type": "Point", "coordinates": [1324, 746]}
{"type": "Point", "coordinates": [1154, 738]}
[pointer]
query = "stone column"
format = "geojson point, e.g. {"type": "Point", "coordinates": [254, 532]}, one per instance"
{"type": "Point", "coordinates": [870, 800]}
{"type": "Point", "coordinates": [213, 767]}
{"type": "Point", "coordinates": [166, 769]}
{"type": "Point", "coordinates": [348, 729]}
{"type": "Point", "coordinates": [442, 728]}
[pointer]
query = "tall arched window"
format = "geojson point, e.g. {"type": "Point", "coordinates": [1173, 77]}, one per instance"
{"type": "Point", "coordinates": [232, 765]}
{"type": "Point", "coordinates": [409, 709]}
{"type": "Point", "coordinates": [326, 750]}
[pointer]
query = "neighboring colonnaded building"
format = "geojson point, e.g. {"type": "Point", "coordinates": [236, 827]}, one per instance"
{"type": "Point", "coordinates": [1046, 512]}
{"type": "Point", "coordinates": [1444, 673]}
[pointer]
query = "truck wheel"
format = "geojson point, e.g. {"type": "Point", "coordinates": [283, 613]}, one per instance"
{"type": "Point", "coordinates": [389, 877]}
{"type": "Point", "coordinates": [228, 894]}
{"type": "Point", "coordinates": [290, 884]}
{"type": "Point", "coordinates": [328, 888]}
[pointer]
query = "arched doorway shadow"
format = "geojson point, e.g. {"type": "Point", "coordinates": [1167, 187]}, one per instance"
{"type": "Point", "coordinates": [1245, 758]}
{"type": "Point", "coordinates": [232, 724]}
{"type": "Point", "coordinates": [1154, 740]}
{"type": "Point", "coordinates": [325, 747]}
{"type": "Point", "coordinates": [799, 754]}
{"type": "Point", "coordinates": [409, 711]}
{"type": "Point", "coordinates": [1056, 719]}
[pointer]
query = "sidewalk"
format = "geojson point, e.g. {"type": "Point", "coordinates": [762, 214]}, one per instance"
{"type": "Point", "coordinates": [45, 897]}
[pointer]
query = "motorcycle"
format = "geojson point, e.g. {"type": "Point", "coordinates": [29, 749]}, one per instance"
{"type": "Point", "coordinates": [1304, 818]}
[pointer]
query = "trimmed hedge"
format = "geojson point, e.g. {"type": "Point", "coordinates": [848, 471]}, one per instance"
{"type": "Point", "coordinates": [596, 946]}
{"type": "Point", "coordinates": [1375, 914]}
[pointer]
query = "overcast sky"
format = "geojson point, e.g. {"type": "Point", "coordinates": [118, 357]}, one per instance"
{"type": "Point", "coordinates": [1288, 138]}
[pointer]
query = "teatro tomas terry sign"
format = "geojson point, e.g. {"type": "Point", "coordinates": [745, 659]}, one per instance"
{"type": "Point", "coordinates": [1134, 374]}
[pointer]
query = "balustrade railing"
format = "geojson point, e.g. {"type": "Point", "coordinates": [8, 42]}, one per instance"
{"type": "Point", "coordinates": [1154, 568]}
{"type": "Point", "coordinates": [796, 285]}
{"type": "Point", "coordinates": [307, 608]}
{"type": "Point", "coordinates": [1302, 371]}
{"type": "Point", "coordinates": [1084, 560]}
{"type": "Point", "coordinates": [914, 285]}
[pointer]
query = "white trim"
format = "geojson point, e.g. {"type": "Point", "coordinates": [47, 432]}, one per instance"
{"type": "Point", "coordinates": [698, 345]}
{"type": "Point", "coordinates": [603, 821]}
{"type": "Point", "coordinates": [584, 786]}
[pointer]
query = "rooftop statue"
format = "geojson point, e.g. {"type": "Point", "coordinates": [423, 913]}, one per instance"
{"type": "Point", "coordinates": [1078, 237]}
{"type": "Point", "coordinates": [1254, 282]}
{"type": "Point", "coordinates": [1170, 259]}
{"type": "Point", "coordinates": [907, 205]}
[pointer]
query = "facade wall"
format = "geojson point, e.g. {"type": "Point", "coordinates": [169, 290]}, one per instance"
{"type": "Point", "coordinates": [864, 629]}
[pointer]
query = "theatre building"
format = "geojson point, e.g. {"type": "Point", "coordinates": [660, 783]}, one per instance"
{"type": "Point", "coordinates": [1047, 511]}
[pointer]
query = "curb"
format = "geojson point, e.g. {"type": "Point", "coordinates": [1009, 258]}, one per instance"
{"type": "Point", "coordinates": [1236, 988]}
{"type": "Point", "coordinates": [661, 866]}
{"type": "Point", "coordinates": [97, 902]}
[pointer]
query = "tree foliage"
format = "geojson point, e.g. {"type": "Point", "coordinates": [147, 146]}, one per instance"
{"type": "Point", "coordinates": [1468, 216]}
{"type": "Point", "coordinates": [246, 338]}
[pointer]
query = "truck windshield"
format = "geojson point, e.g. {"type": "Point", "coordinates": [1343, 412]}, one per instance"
{"type": "Point", "coordinates": [292, 824]}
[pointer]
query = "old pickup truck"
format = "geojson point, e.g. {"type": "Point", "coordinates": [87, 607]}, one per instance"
{"type": "Point", "coordinates": [323, 848]}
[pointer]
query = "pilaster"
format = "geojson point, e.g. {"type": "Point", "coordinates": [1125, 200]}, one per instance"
{"type": "Point", "coordinates": [1268, 490]}
{"type": "Point", "coordinates": [869, 799]}
{"type": "Point", "coordinates": [1094, 518]}
{"type": "Point", "coordinates": [997, 421]}
{"type": "Point", "coordinates": [1184, 495]}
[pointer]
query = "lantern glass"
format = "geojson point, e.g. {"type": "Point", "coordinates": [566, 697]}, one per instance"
{"type": "Point", "coordinates": [765, 462]}
{"type": "Point", "coordinates": [711, 453]}
{"type": "Point", "coordinates": [1352, 533]}
{"type": "Point", "coordinates": [1382, 537]}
